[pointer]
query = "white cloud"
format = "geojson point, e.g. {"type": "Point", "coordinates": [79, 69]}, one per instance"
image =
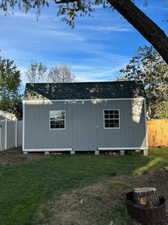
{"type": "Point", "coordinates": [98, 71]}
{"type": "Point", "coordinates": [98, 75]}
{"type": "Point", "coordinates": [108, 28]}
{"type": "Point", "coordinates": [63, 35]}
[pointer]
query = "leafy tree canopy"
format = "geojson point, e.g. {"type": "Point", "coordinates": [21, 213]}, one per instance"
{"type": "Point", "coordinates": [9, 86]}
{"type": "Point", "coordinates": [149, 67]}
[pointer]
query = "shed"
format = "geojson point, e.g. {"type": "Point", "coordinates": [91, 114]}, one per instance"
{"type": "Point", "coordinates": [87, 116]}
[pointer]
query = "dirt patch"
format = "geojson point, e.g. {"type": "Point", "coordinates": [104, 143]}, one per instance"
{"type": "Point", "coordinates": [86, 206]}
{"type": "Point", "coordinates": [99, 204]}
{"type": "Point", "coordinates": [15, 156]}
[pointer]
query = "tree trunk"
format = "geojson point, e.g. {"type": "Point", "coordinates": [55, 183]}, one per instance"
{"type": "Point", "coordinates": [146, 196]}
{"type": "Point", "coordinates": [142, 23]}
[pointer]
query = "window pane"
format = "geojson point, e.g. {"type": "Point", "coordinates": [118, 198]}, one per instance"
{"type": "Point", "coordinates": [52, 124]}
{"type": "Point", "coordinates": [60, 124]}
{"type": "Point", "coordinates": [106, 116]}
{"type": "Point", "coordinates": [117, 115]}
{"type": "Point", "coordinates": [57, 124]}
{"type": "Point", "coordinates": [115, 123]}
{"type": "Point", "coordinates": [58, 114]}
{"type": "Point", "coordinates": [112, 116]}
{"type": "Point", "coordinates": [107, 112]}
{"type": "Point", "coordinates": [107, 124]}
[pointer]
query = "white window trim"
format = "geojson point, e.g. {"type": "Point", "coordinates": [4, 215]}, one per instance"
{"type": "Point", "coordinates": [109, 128]}
{"type": "Point", "coordinates": [57, 129]}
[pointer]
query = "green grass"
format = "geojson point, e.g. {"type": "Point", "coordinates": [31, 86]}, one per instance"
{"type": "Point", "coordinates": [24, 187]}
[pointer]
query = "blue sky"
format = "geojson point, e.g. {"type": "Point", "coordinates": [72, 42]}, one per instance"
{"type": "Point", "coordinates": [95, 49]}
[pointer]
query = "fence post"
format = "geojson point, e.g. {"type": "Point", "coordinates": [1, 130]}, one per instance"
{"type": "Point", "coordinates": [146, 125]}
{"type": "Point", "coordinates": [16, 133]}
{"type": "Point", "coordinates": [23, 127]}
{"type": "Point", "coordinates": [6, 133]}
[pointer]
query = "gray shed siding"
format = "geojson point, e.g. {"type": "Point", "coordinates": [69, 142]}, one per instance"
{"type": "Point", "coordinates": [84, 125]}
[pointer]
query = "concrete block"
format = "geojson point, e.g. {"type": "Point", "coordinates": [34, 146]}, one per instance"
{"type": "Point", "coordinates": [72, 152]}
{"type": "Point", "coordinates": [46, 153]}
{"type": "Point", "coordinates": [145, 152]}
{"type": "Point", "coordinates": [25, 153]}
{"type": "Point", "coordinates": [97, 152]}
{"type": "Point", "coordinates": [122, 152]}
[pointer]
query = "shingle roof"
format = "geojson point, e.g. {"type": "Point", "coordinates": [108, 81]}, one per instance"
{"type": "Point", "coordinates": [84, 90]}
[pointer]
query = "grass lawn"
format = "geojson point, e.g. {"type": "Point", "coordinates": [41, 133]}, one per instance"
{"type": "Point", "coordinates": [75, 190]}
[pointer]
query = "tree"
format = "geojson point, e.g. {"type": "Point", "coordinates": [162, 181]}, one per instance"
{"type": "Point", "coordinates": [60, 74]}
{"type": "Point", "coordinates": [73, 8]}
{"type": "Point", "coordinates": [149, 67]}
{"type": "Point", "coordinates": [36, 73]}
{"type": "Point", "coordinates": [9, 86]}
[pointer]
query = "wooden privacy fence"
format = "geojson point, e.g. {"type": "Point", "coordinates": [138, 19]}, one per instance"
{"type": "Point", "coordinates": [10, 134]}
{"type": "Point", "coordinates": [157, 132]}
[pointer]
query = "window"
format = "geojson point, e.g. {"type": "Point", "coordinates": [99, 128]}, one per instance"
{"type": "Point", "coordinates": [57, 119]}
{"type": "Point", "coordinates": [111, 118]}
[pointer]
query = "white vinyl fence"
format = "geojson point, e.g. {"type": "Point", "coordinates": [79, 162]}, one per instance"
{"type": "Point", "coordinates": [10, 134]}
